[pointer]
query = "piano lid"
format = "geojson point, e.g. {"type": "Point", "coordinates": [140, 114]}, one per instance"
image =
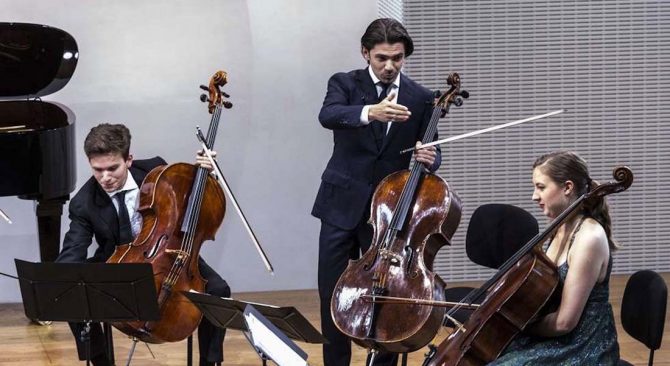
{"type": "Point", "coordinates": [35, 60]}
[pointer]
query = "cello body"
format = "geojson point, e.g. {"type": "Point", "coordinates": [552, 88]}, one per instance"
{"type": "Point", "coordinates": [413, 214]}
{"type": "Point", "coordinates": [163, 198]}
{"type": "Point", "coordinates": [514, 300]}
{"type": "Point", "coordinates": [407, 263]}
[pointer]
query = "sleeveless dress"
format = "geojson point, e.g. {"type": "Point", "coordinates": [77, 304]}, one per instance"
{"type": "Point", "coordinates": [592, 342]}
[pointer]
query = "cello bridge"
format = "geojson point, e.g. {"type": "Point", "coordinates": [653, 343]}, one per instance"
{"type": "Point", "coordinates": [181, 255]}
{"type": "Point", "coordinates": [390, 256]}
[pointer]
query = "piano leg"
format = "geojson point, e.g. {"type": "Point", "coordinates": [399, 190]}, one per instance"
{"type": "Point", "coordinates": [49, 213]}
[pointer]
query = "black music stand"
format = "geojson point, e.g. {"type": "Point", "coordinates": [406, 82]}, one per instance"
{"type": "Point", "coordinates": [88, 292]}
{"type": "Point", "coordinates": [229, 313]}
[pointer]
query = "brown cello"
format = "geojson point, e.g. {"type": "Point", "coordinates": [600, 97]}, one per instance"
{"type": "Point", "coordinates": [181, 206]}
{"type": "Point", "coordinates": [413, 214]}
{"type": "Point", "coordinates": [515, 294]}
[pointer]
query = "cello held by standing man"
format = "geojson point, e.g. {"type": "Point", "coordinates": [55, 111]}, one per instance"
{"type": "Point", "coordinates": [373, 113]}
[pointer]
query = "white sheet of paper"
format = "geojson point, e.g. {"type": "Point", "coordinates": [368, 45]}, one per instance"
{"type": "Point", "coordinates": [264, 339]}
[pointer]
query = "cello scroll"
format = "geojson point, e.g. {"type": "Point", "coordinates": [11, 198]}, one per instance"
{"type": "Point", "coordinates": [453, 96]}
{"type": "Point", "coordinates": [216, 96]}
{"type": "Point", "coordinates": [624, 178]}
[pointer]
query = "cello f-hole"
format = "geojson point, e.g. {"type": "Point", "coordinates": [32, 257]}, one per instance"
{"type": "Point", "coordinates": [152, 252]}
{"type": "Point", "coordinates": [409, 255]}
{"type": "Point", "coordinates": [368, 266]}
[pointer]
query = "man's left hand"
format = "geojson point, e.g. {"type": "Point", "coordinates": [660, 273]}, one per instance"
{"type": "Point", "coordinates": [202, 160]}
{"type": "Point", "coordinates": [425, 155]}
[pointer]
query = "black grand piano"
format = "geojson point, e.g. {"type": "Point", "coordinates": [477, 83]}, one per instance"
{"type": "Point", "coordinates": [37, 147]}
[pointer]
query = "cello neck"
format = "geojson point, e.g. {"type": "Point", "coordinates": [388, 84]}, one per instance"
{"type": "Point", "coordinates": [405, 201]}
{"type": "Point", "coordinates": [216, 105]}
{"type": "Point", "coordinates": [441, 107]}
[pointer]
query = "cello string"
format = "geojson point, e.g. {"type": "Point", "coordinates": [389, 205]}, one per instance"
{"type": "Point", "coordinates": [409, 189]}
{"type": "Point", "coordinates": [415, 174]}
{"type": "Point", "coordinates": [189, 235]}
{"type": "Point", "coordinates": [406, 196]}
{"type": "Point", "coordinates": [199, 189]}
{"type": "Point", "coordinates": [404, 203]}
{"type": "Point", "coordinates": [202, 179]}
{"type": "Point", "coordinates": [417, 168]}
{"type": "Point", "coordinates": [399, 214]}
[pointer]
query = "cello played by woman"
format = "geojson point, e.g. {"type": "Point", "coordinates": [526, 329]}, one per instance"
{"type": "Point", "coordinates": [576, 267]}
{"type": "Point", "coordinates": [581, 331]}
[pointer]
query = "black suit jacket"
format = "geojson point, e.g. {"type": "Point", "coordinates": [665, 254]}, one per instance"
{"type": "Point", "coordinates": [358, 163]}
{"type": "Point", "coordinates": [92, 214]}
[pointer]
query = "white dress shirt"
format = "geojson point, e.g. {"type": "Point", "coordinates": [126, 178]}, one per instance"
{"type": "Point", "coordinates": [393, 88]}
{"type": "Point", "coordinates": [131, 200]}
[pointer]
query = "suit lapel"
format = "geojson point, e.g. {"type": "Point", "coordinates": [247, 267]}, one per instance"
{"type": "Point", "coordinates": [138, 175]}
{"type": "Point", "coordinates": [369, 90]}
{"type": "Point", "coordinates": [365, 85]}
{"type": "Point", "coordinates": [106, 211]}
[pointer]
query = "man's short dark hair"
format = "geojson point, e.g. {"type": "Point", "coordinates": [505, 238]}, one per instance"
{"type": "Point", "coordinates": [106, 139]}
{"type": "Point", "coordinates": [387, 30]}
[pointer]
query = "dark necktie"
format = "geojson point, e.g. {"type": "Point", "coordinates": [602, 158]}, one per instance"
{"type": "Point", "coordinates": [125, 231]}
{"type": "Point", "coordinates": [379, 128]}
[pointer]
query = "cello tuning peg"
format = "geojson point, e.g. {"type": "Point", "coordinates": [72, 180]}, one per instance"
{"type": "Point", "coordinates": [203, 98]}
{"type": "Point", "coordinates": [203, 87]}
{"type": "Point", "coordinates": [464, 94]}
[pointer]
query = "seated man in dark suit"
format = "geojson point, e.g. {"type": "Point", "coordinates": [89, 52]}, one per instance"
{"type": "Point", "coordinates": [95, 212]}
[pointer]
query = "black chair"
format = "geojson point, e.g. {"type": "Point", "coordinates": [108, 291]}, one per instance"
{"type": "Point", "coordinates": [643, 310]}
{"type": "Point", "coordinates": [495, 233]}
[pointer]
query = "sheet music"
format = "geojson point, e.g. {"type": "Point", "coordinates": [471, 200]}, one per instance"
{"type": "Point", "coordinates": [271, 344]}
{"type": "Point", "coordinates": [4, 216]}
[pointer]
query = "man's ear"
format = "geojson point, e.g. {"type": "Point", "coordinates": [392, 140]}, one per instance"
{"type": "Point", "coordinates": [129, 161]}
{"type": "Point", "coordinates": [366, 54]}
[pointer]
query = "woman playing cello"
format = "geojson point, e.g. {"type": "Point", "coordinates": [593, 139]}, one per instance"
{"type": "Point", "coordinates": [581, 331]}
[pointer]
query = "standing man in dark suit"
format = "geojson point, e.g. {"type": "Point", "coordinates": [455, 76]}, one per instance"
{"type": "Point", "coordinates": [374, 113]}
{"type": "Point", "coordinates": [98, 210]}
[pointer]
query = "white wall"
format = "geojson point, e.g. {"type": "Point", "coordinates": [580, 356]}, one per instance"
{"type": "Point", "coordinates": [141, 63]}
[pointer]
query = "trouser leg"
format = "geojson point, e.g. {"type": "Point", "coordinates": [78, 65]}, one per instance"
{"type": "Point", "coordinates": [336, 247]}
{"type": "Point", "coordinates": [210, 337]}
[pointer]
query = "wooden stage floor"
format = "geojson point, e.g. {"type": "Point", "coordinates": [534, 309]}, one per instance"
{"type": "Point", "coordinates": [23, 343]}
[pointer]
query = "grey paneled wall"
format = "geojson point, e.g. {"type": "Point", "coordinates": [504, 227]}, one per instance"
{"type": "Point", "coordinates": [605, 62]}
{"type": "Point", "coordinates": [390, 9]}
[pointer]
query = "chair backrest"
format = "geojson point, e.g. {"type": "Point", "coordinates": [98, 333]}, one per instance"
{"type": "Point", "coordinates": [643, 307]}
{"type": "Point", "coordinates": [497, 231]}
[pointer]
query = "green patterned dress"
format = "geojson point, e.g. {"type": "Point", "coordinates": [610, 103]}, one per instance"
{"type": "Point", "coordinates": [592, 342]}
